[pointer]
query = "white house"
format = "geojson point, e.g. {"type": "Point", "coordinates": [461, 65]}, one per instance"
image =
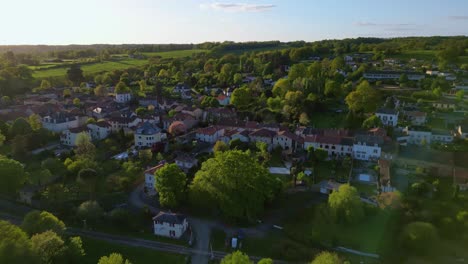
{"type": "Point", "coordinates": [59, 122]}
{"type": "Point", "coordinates": [367, 147]}
{"type": "Point", "coordinates": [170, 224]}
{"type": "Point", "coordinates": [147, 135]}
{"type": "Point", "coordinates": [417, 118]}
{"type": "Point", "coordinates": [286, 140]}
{"type": "Point", "coordinates": [186, 162]}
{"type": "Point", "coordinates": [389, 117]}
{"type": "Point", "coordinates": [120, 122]}
{"type": "Point", "coordinates": [183, 90]}
{"type": "Point", "coordinates": [334, 145]}
{"type": "Point", "coordinates": [100, 130]}
{"type": "Point", "coordinates": [149, 179]}
{"type": "Point", "coordinates": [393, 75]}
{"type": "Point", "coordinates": [418, 135]}
{"type": "Point", "coordinates": [263, 135]}
{"type": "Point", "coordinates": [68, 137]}
{"type": "Point", "coordinates": [123, 97]}
{"type": "Point", "coordinates": [209, 134]}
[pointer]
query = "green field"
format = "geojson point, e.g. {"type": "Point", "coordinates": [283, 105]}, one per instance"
{"type": "Point", "coordinates": [426, 55]}
{"type": "Point", "coordinates": [95, 249]}
{"type": "Point", "coordinates": [174, 54]}
{"type": "Point", "coordinates": [92, 68]}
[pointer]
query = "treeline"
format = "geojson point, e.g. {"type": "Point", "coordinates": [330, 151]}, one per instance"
{"type": "Point", "coordinates": [230, 46]}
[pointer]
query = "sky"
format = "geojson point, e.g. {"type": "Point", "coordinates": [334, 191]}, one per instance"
{"type": "Point", "coordinates": [61, 22]}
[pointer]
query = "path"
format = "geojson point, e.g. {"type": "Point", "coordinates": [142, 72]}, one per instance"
{"type": "Point", "coordinates": [48, 147]}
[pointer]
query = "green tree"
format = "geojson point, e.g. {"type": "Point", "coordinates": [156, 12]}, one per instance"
{"type": "Point", "coordinates": [236, 183]}
{"type": "Point", "coordinates": [371, 122]}
{"type": "Point", "coordinates": [241, 97]}
{"type": "Point", "coordinates": [74, 251]}
{"type": "Point", "coordinates": [121, 87]}
{"type": "Point", "coordinates": [75, 74]}
{"type": "Point", "coordinates": [265, 261]}
{"type": "Point", "coordinates": [45, 85]}
{"type": "Point", "coordinates": [2, 139]}
{"type": "Point", "coordinates": [88, 178]}
{"type": "Point", "coordinates": [19, 147]}
{"type": "Point", "coordinates": [90, 211]}
{"type": "Point", "coordinates": [113, 258]}
{"type": "Point", "coordinates": [236, 258]}
{"type": "Point", "coordinates": [84, 147]}
{"type": "Point", "coordinates": [145, 155]}
{"type": "Point", "coordinates": [35, 122]}
{"type": "Point", "coordinates": [237, 79]}
{"type": "Point", "coordinates": [332, 88]}
{"type": "Point", "coordinates": [220, 146]}
{"type": "Point", "coordinates": [48, 246]}
{"type": "Point", "coordinates": [365, 98]}
{"type": "Point", "coordinates": [20, 127]}
{"type": "Point", "coordinates": [37, 222]}
{"type": "Point", "coordinates": [304, 119]}
{"type": "Point", "coordinates": [100, 90]}
{"type": "Point", "coordinates": [142, 84]}
{"type": "Point", "coordinates": [346, 205]}
{"type": "Point", "coordinates": [12, 175]}
{"type": "Point", "coordinates": [170, 182]}
{"type": "Point", "coordinates": [419, 237]}
{"type": "Point", "coordinates": [281, 87]}
{"type": "Point", "coordinates": [77, 102]}
{"type": "Point", "coordinates": [327, 258]}
{"type": "Point", "coordinates": [298, 70]}
{"type": "Point", "coordinates": [460, 95]}
{"type": "Point", "coordinates": [66, 93]}
{"type": "Point", "coordinates": [15, 247]}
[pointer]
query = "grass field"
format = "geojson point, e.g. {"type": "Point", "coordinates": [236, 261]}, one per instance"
{"type": "Point", "coordinates": [327, 120]}
{"type": "Point", "coordinates": [95, 249]}
{"type": "Point", "coordinates": [92, 68]}
{"type": "Point", "coordinates": [426, 55]}
{"type": "Point", "coordinates": [174, 54]}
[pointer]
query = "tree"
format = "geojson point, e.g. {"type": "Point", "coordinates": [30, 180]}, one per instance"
{"type": "Point", "coordinates": [170, 182]}
{"type": "Point", "coordinates": [241, 97]}
{"type": "Point", "coordinates": [19, 147]}
{"type": "Point", "coordinates": [84, 147]}
{"type": "Point", "coordinates": [142, 84]}
{"type": "Point", "coordinates": [100, 90]}
{"type": "Point", "coordinates": [75, 74]}
{"type": "Point", "coordinates": [20, 127]}
{"type": "Point", "coordinates": [48, 246]}
{"type": "Point", "coordinates": [77, 102]}
{"type": "Point", "coordinates": [113, 258]}
{"type": "Point", "coordinates": [145, 155]}
{"type": "Point", "coordinates": [327, 258]}
{"type": "Point", "coordinates": [237, 79]}
{"type": "Point", "coordinates": [88, 180]}
{"type": "Point", "coordinates": [74, 251]}
{"type": "Point", "coordinates": [371, 122]}
{"type": "Point", "coordinates": [45, 84]}
{"type": "Point", "coordinates": [281, 87]}
{"type": "Point", "coordinates": [66, 93]}
{"type": "Point", "coordinates": [460, 95]}
{"type": "Point", "coordinates": [265, 261]}
{"type": "Point", "coordinates": [332, 88]}
{"type": "Point", "coordinates": [220, 146]}
{"type": "Point", "coordinates": [236, 258]}
{"type": "Point", "coordinates": [15, 247]}
{"type": "Point", "coordinates": [346, 205]}
{"type": "Point", "coordinates": [90, 211]}
{"type": "Point", "coordinates": [121, 88]}
{"type": "Point", "coordinates": [298, 70]}
{"type": "Point", "coordinates": [236, 183]}
{"type": "Point", "coordinates": [35, 122]}
{"type": "Point", "coordinates": [304, 119]}
{"type": "Point", "coordinates": [12, 175]}
{"type": "Point", "coordinates": [365, 98]}
{"type": "Point", "coordinates": [37, 222]}
{"type": "Point", "coordinates": [419, 237]}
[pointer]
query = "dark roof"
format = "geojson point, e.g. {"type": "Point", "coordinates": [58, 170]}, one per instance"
{"type": "Point", "coordinates": [386, 111]}
{"type": "Point", "coordinates": [263, 132]}
{"type": "Point", "coordinates": [171, 218]}
{"type": "Point", "coordinates": [147, 129]}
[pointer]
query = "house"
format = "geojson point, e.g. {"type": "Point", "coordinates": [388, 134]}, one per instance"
{"type": "Point", "coordinates": [286, 140]}
{"type": "Point", "coordinates": [148, 101]}
{"type": "Point", "coordinates": [445, 104]}
{"type": "Point", "coordinates": [393, 75]}
{"type": "Point", "coordinates": [327, 187]}
{"type": "Point", "coordinates": [223, 99]}
{"type": "Point", "coordinates": [100, 130]}
{"type": "Point", "coordinates": [123, 97]}
{"type": "Point", "coordinates": [209, 134]}
{"type": "Point", "coordinates": [149, 179]}
{"type": "Point", "coordinates": [61, 121]}
{"type": "Point", "coordinates": [418, 135]}
{"type": "Point", "coordinates": [389, 117]}
{"type": "Point", "coordinates": [334, 145]}
{"type": "Point", "coordinates": [416, 118]}
{"type": "Point", "coordinates": [147, 134]}
{"type": "Point", "coordinates": [170, 224]}
{"type": "Point", "coordinates": [462, 130]}
{"type": "Point", "coordinates": [367, 147]}
{"type": "Point", "coordinates": [242, 135]}
{"type": "Point", "coordinates": [69, 136]}
{"type": "Point", "coordinates": [441, 136]}
{"type": "Point", "coordinates": [263, 135]}
{"type": "Point", "coordinates": [186, 162]}
{"type": "Point", "coordinates": [460, 178]}
{"type": "Point", "coordinates": [117, 123]}
{"type": "Point", "coordinates": [183, 90]}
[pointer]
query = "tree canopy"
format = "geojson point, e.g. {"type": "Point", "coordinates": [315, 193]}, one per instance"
{"type": "Point", "coordinates": [346, 205]}
{"type": "Point", "coordinates": [327, 258]}
{"type": "Point", "coordinates": [12, 175]}
{"type": "Point", "coordinates": [37, 222]}
{"type": "Point", "coordinates": [236, 183]}
{"type": "Point", "coordinates": [170, 183]}
{"type": "Point", "coordinates": [113, 258]}
{"type": "Point", "coordinates": [363, 99]}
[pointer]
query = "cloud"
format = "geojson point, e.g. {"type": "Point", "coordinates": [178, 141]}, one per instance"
{"type": "Point", "coordinates": [458, 17]}
{"type": "Point", "coordinates": [237, 7]}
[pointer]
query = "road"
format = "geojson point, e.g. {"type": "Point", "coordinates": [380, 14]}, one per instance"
{"type": "Point", "coordinates": [48, 147]}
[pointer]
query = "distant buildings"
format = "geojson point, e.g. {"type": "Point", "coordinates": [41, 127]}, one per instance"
{"type": "Point", "coordinates": [389, 117]}
{"type": "Point", "coordinates": [147, 134]}
{"type": "Point", "coordinates": [392, 75]}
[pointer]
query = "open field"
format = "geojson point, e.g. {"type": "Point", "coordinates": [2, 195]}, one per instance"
{"type": "Point", "coordinates": [426, 55]}
{"type": "Point", "coordinates": [95, 249]}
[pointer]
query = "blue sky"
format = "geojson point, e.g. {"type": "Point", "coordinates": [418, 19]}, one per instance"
{"type": "Point", "coordinates": [185, 21]}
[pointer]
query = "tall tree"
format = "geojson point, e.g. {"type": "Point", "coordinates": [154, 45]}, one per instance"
{"type": "Point", "coordinates": [75, 74]}
{"type": "Point", "coordinates": [419, 237]}
{"type": "Point", "coordinates": [236, 258]}
{"type": "Point", "coordinates": [15, 247]}
{"type": "Point", "coordinates": [170, 182]}
{"type": "Point", "coordinates": [327, 258]}
{"type": "Point", "coordinates": [37, 222]}
{"type": "Point", "coordinates": [113, 258]}
{"type": "Point", "coordinates": [12, 175]}
{"type": "Point", "coordinates": [48, 246]}
{"type": "Point", "coordinates": [364, 99]}
{"type": "Point", "coordinates": [236, 183]}
{"type": "Point", "coordinates": [346, 205]}
{"type": "Point", "coordinates": [84, 147]}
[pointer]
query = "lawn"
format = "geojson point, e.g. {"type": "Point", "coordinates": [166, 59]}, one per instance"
{"type": "Point", "coordinates": [426, 55]}
{"type": "Point", "coordinates": [91, 68]}
{"type": "Point", "coordinates": [95, 249]}
{"type": "Point", "coordinates": [437, 123]}
{"type": "Point", "coordinates": [366, 188]}
{"type": "Point", "coordinates": [175, 53]}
